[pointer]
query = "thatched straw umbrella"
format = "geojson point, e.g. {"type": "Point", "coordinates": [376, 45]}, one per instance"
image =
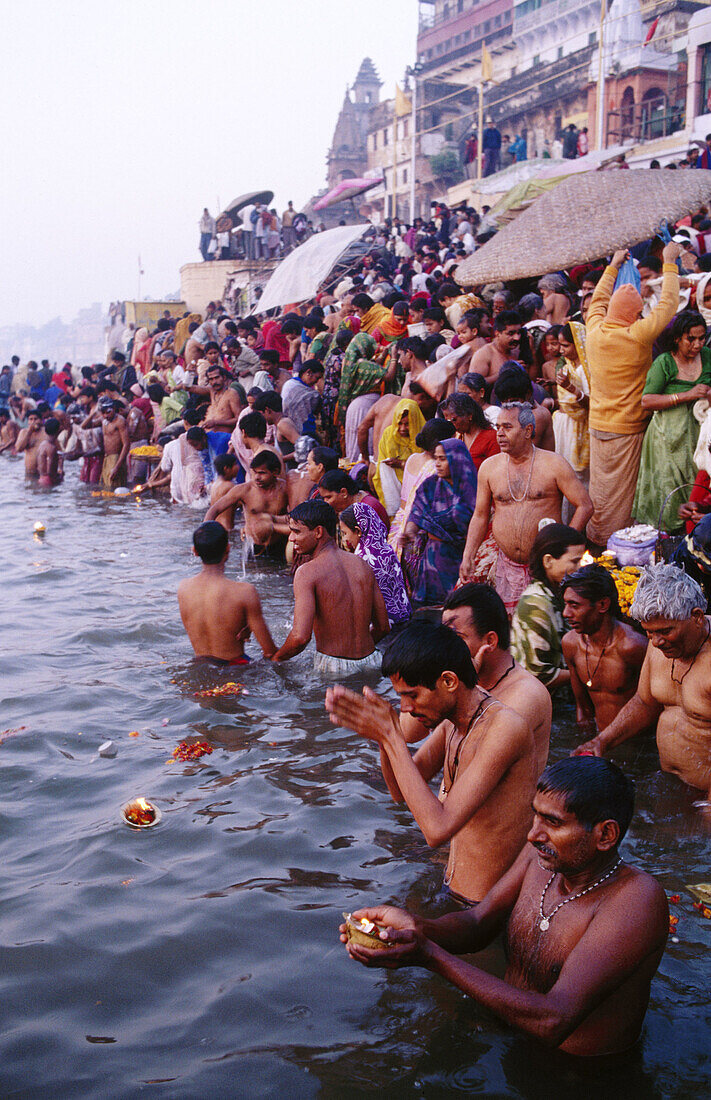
{"type": "Point", "coordinates": [586, 217]}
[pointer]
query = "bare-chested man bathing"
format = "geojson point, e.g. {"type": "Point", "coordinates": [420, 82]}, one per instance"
{"type": "Point", "coordinates": [584, 932]}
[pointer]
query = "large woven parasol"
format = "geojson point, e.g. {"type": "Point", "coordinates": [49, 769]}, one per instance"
{"type": "Point", "coordinates": [586, 217]}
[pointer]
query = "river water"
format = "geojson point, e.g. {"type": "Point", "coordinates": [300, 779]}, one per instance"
{"type": "Point", "coordinates": [201, 958]}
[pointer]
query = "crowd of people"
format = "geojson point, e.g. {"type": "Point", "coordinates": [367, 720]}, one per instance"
{"type": "Point", "coordinates": [254, 232]}
{"type": "Point", "coordinates": [442, 469]}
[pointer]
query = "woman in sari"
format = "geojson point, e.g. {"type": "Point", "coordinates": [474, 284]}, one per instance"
{"type": "Point", "coordinates": [570, 420]}
{"type": "Point", "coordinates": [397, 443]}
{"type": "Point", "coordinates": [439, 518]}
{"type": "Point", "coordinates": [140, 357]}
{"type": "Point", "coordinates": [363, 532]}
{"type": "Point", "coordinates": [419, 466]}
{"type": "Point", "coordinates": [676, 379]}
{"type": "Point", "coordinates": [471, 426]}
{"type": "Point", "coordinates": [361, 386]}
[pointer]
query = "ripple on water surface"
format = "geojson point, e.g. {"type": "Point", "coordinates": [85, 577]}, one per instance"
{"type": "Point", "coordinates": [201, 958]}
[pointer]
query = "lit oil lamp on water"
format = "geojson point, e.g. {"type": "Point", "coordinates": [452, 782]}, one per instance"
{"type": "Point", "coordinates": [139, 813]}
{"type": "Point", "coordinates": [365, 932]}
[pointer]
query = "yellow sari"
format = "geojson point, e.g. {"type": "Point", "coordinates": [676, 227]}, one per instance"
{"type": "Point", "coordinates": [375, 316]}
{"type": "Point", "coordinates": [579, 375]}
{"type": "Point", "coordinates": [393, 445]}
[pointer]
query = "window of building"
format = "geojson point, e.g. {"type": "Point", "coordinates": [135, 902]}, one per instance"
{"type": "Point", "coordinates": [460, 5]}
{"type": "Point", "coordinates": [467, 35]}
{"type": "Point", "coordinates": [487, 26]}
{"type": "Point", "coordinates": [386, 137]}
{"type": "Point", "coordinates": [705, 90]}
{"type": "Point", "coordinates": [405, 127]}
{"type": "Point", "coordinates": [560, 52]}
{"type": "Point", "coordinates": [404, 175]}
{"type": "Point", "coordinates": [497, 21]}
{"type": "Point", "coordinates": [537, 59]}
{"type": "Point", "coordinates": [592, 38]}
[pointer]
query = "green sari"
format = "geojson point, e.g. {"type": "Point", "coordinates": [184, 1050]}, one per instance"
{"type": "Point", "coordinates": [667, 460]}
{"type": "Point", "coordinates": [359, 374]}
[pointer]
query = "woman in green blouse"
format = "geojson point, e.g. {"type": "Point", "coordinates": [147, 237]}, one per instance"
{"type": "Point", "coordinates": [675, 381]}
{"type": "Point", "coordinates": [537, 626]}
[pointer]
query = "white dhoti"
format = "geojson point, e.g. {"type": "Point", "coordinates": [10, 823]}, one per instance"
{"type": "Point", "coordinates": [347, 666]}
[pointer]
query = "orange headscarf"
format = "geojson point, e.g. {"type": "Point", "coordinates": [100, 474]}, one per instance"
{"type": "Point", "coordinates": [625, 306]}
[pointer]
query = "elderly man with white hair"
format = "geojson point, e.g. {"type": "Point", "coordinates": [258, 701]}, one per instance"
{"type": "Point", "coordinates": [675, 682]}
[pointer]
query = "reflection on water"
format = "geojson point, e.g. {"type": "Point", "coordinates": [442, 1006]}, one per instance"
{"type": "Point", "coordinates": [201, 958]}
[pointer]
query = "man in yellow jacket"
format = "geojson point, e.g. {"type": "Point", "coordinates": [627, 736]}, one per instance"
{"type": "Point", "coordinates": [619, 348]}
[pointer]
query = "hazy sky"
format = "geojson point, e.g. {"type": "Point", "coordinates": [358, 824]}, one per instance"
{"type": "Point", "coordinates": [121, 121]}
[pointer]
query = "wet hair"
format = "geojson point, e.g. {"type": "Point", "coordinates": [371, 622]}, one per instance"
{"type": "Point", "coordinates": [666, 592]}
{"type": "Point", "coordinates": [312, 320]}
{"type": "Point", "coordinates": [461, 404]}
{"type": "Point", "coordinates": [326, 457]}
{"type": "Point", "coordinates": [435, 313]}
{"type": "Point", "coordinates": [269, 400]}
{"type": "Point", "coordinates": [592, 789]}
{"type": "Point", "coordinates": [51, 427]}
{"type": "Point", "coordinates": [422, 651]}
{"type": "Point", "coordinates": [553, 539]}
{"type": "Point", "coordinates": [224, 462]}
{"type": "Point", "coordinates": [505, 318]}
{"type": "Point", "coordinates": [210, 541]}
{"type": "Point", "coordinates": [267, 460]}
{"type": "Point", "coordinates": [343, 338]}
{"type": "Point", "coordinates": [196, 435]}
{"type": "Point", "coordinates": [336, 480]}
{"type": "Point", "coordinates": [362, 301]}
{"type": "Point", "coordinates": [433, 432]}
{"type": "Point", "coordinates": [254, 425]}
{"type": "Point", "coordinates": [191, 417]}
{"type": "Point", "coordinates": [594, 583]}
{"type": "Point", "coordinates": [414, 344]}
{"type": "Point", "coordinates": [513, 384]}
{"type": "Point", "coordinates": [474, 381]}
{"type": "Point", "coordinates": [291, 327]}
{"type": "Point", "coordinates": [270, 356]}
{"type": "Point", "coordinates": [316, 513]}
{"type": "Point", "coordinates": [487, 610]}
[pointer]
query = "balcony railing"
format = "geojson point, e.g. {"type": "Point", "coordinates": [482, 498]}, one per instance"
{"type": "Point", "coordinates": [653, 118]}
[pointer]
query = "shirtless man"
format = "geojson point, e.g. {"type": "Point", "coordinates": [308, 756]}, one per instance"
{"type": "Point", "coordinates": [489, 360]}
{"type": "Point", "coordinates": [604, 655]}
{"type": "Point", "coordinates": [264, 501]}
{"type": "Point", "coordinates": [50, 461]}
{"type": "Point", "coordinates": [584, 932]}
{"type": "Point", "coordinates": [9, 432]}
{"type": "Point", "coordinates": [524, 486]}
{"type": "Point", "coordinates": [674, 687]}
{"type": "Point", "coordinates": [224, 407]}
{"type": "Point", "coordinates": [285, 432]}
{"type": "Point", "coordinates": [413, 360]}
{"type": "Point", "coordinates": [219, 614]}
{"type": "Point", "coordinates": [336, 597]}
{"type": "Point", "coordinates": [29, 441]}
{"type": "Point", "coordinates": [227, 468]}
{"type": "Point", "coordinates": [477, 614]}
{"type": "Point", "coordinates": [484, 750]}
{"type": "Point", "coordinates": [116, 441]}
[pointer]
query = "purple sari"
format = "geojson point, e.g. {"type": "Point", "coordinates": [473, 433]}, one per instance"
{"type": "Point", "coordinates": [373, 548]}
{"type": "Point", "coordinates": [442, 509]}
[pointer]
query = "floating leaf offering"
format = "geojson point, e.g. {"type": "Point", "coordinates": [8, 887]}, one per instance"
{"type": "Point", "coordinates": [673, 921]}
{"type": "Point", "coordinates": [365, 932]}
{"type": "Point", "coordinates": [701, 891]}
{"type": "Point", "coordinates": [705, 910]}
{"type": "Point", "coordinates": [190, 751]}
{"type": "Point", "coordinates": [225, 689]}
{"type": "Point", "coordinates": [140, 813]}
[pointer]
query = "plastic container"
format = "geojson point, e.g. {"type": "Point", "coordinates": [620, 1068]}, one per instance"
{"type": "Point", "coordinates": [632, 551]}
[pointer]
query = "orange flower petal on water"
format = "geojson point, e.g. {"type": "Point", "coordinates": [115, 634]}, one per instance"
{"type": "Point", "coordinates": [134, 733]}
